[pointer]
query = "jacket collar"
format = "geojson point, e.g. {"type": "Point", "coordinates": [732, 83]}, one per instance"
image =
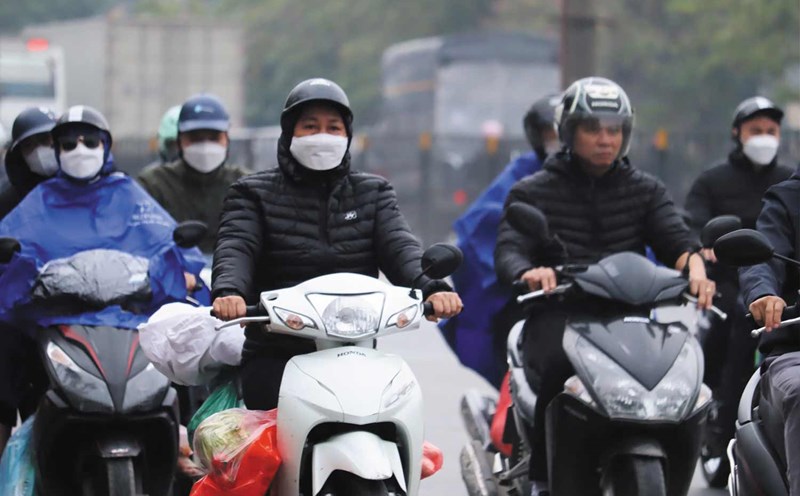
{"type": "Point", "coordinates": [565, 164]}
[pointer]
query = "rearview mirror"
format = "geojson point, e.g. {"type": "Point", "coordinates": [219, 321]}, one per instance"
{"type": "Point", "coordinates": [8, 247]}
{"type": "Point", "coordinates": [188, 234]}
{"type": "Point", "coordinates": [441, 260]}
{"type": "Point", "coordinates": [743, 248]}
{"type": "Point", "coordinates": [718, 227]}
{"type": "Point", "coordinates": [528, 219]}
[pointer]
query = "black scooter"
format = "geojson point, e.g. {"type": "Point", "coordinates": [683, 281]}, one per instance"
{"type": "Point", "coordinates": [757, 466]}
{"type": "Point", "coordinates": [108, 423]}
{"type": "Point", "coordinates": [630, 421]}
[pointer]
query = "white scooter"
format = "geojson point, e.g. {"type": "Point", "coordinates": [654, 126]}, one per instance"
{"type": "Point", "coordinates": [350, 418]}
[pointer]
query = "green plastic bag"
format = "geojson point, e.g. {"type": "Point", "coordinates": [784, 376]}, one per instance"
{"type": "Point", "coordinates": [225, 397]}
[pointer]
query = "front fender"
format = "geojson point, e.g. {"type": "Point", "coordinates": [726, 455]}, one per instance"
{"type": "Point", "coordinates": [360, 453]}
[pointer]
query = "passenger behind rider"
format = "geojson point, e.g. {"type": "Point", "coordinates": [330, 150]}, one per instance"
{"type": "Point", "coordinates": [766, 289]}
{"type": "Point", "coordinates": [87, 206]}
{"type": "Point", "coordinates": [309, 217]}
{"type": "Point", "coordinates": [29, 160]}
{"type": "Point", "coordinates": [478, 335]}
{"type": "Point", "coordinates": [597, 204]}
{"type": "Point", "coordinates": [735, 187]}
{"type": "Point", "coordinates": [193, 186]}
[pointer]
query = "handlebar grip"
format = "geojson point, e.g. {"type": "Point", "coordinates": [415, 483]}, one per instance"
{"type": "Point", "coordinates": [427, 309]}
{"type": "Point", "coordinates": [520, 287]}
{"type": "Point", "coordinates": [254, 311]}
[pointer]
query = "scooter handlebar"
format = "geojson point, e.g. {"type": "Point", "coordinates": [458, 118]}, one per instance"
{"type": "Point", "coordinates": [789, 316]}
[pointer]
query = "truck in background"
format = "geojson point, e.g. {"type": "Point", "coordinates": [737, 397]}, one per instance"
{"type": "Point", "coordinates": [31, 75]}
{"type": "Point", "coordinates": [134, 68]}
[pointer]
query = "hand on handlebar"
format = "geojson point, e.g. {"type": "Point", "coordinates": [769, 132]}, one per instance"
{"type": "Point", "coordinates": [708, 255]}
{"type": "Point", "coordinates": [230, 307]}
{"type": "Point", "coordinates": [446, 304]}
{"type": "Point", "coordinates": [543, 278]}
{"type": "Point", "coordinates": [768, 311]}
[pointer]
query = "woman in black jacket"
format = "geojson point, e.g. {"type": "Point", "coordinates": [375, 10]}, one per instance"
{"type": "Point", "coordinates": [309, 217]}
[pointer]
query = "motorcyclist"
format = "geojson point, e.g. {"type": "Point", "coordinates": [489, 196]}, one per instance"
{"type": "Point", "coordinates": [193, 186]}
{"type": "Point", "coordinates": [597, 204]}
{"type": "Point", "coordinates": [87, 206]}
{"type": "Point", "coordinates": [766, 289]}
{"type": "Point", "coordinates": [478, 334]}
{"type": "Point", "coordinates": [309, 217]}
{"type": "Point", "coordinates": [30, 159]}
{"type": "Point", "coordinates": [735, 187]}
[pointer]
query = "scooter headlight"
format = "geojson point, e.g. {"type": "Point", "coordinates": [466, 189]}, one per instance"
{"type": "Point", "coordinates": [145, 390]}
{"type": "Point", "coordinates": [84, 391]}
{"type": "Point", "coordinates": [349, 316]}
{"type": "Point", "coordinates": [622, 396]}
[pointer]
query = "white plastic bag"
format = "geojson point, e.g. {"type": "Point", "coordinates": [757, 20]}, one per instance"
{"type": "Point", "coordinates": [182, 343]}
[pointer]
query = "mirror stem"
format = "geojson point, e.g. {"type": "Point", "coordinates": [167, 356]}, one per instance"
{"type": "Point", "coordinates": [413, 293]}
{"type": "Point", "coordinates": [787, 259]}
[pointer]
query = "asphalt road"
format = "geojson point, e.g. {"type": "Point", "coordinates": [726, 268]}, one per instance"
{"type": "Point", "coordinates": [443, 381]}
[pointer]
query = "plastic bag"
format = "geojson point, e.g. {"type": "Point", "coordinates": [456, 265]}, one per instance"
{"type": "Point", "coordinates": [182, 343]}
{"type": "Point", "coordinates": [238, 449]}
{"type": "Point", "coordinates": [16, 467]}
{"type": "Point", "coordinates": [99, 278]}
{"type": "Point", "coordinates": [432, 459]}
{"type": "Point", "coordinates": [224, 397]}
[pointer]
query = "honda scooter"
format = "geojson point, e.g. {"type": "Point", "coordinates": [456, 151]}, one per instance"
{"type": "Point", "coordinates": [631, 419]}
{"type": "Point", "coordinates": [350, 417]}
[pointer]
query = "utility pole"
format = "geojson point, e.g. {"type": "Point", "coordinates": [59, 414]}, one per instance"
{"type": "Point", "coordinates": [579, 40]}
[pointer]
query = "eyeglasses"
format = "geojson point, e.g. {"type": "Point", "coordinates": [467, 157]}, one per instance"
{"type": "Point", "coordinates": [70, 143]}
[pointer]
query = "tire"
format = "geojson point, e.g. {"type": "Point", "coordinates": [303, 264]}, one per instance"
{"type": "Point", "coordinates": [476, 471]}
{"type": "Point", "coordinates": [347, 484]}
{"type": "Point", "coordinates": [716, 469]}
{"type": "Point", "coordinates": [634, 476]}
{"type": "Point", "coordinates": [121, 477]}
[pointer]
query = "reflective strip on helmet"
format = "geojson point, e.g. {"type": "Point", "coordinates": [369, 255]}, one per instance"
{"type": "Point", "coordinates": [75, 114]}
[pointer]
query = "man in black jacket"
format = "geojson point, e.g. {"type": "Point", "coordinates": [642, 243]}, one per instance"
{"type": "Point", "coordinates": [735, 187]}
{"type": "Point", "coordinates": [766, 288]}
{"type": "Point", "coordinates": [597, 204]}
{"type": "Point", "coordinates": [309, 217]}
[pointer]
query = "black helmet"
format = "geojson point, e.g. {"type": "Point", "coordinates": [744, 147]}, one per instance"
{"type": "Point", "coordinates": [541, 114]}
{"type": "Point", "coordinates": [203, 112]}
{"type": "Point", "coordinates": [82, 114]}
{"type": "Point", "coordinates": [35, 120]}
{"type": "Point", "coordinates": [594, 97]}
{"type": "Point", "coordinates": [317, 89]}
{"type": "Point", "coordinates": [757, 105]}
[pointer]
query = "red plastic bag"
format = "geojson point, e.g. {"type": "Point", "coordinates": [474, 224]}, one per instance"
{"type": "Point", "coordinates": [499, 420]}
{"type": "Point", "coordinates": [238, 450]}
{"type": "Point", "coordinates": [432, 459]}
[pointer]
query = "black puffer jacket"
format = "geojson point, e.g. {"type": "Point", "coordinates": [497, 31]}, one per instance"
{"type": "Point", "coordinates": [624, 210]}
{"type": "Point", "coordinates": [284, 226]}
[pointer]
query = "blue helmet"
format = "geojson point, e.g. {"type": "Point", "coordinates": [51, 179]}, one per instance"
{"type": "Point", "coordinates": [203, 111]}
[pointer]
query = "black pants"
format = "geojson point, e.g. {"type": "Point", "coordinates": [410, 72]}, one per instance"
{"type": "Point", "coordinates": [546, 369]}
{"type": "Point", "coordinates": [781, 388]}
{"type": "Point", "coordinates": [261, 375]}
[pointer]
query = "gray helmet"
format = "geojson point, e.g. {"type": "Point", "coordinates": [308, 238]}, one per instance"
{"type": "Point", "coordinates": [594, 98]}
{"type": "Point", "coordinates": [757, 105]}
{"type": "Point", "coordinates": [82, 114]}
{"type": "Point", "coordinates": [542, 114]}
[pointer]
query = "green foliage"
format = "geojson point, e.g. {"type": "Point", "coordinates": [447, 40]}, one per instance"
{"type": "Point", "coordinates": [688, 63]}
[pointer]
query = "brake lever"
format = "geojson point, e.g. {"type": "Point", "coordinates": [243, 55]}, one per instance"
{"type": "Point", "coordinates": [719, 313]}
{"type": "Point", "coordinates": [757, 332]}
{"type": "Point", "coordinates": [561, 289]}
{"type": "Point", "coordinates": [242, 320]}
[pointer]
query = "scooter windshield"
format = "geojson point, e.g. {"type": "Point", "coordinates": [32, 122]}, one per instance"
{"type": "Point", "coordinates": [98, 278]}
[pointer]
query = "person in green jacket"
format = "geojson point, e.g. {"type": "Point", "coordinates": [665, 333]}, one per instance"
{"type": "Point", "coordinates": [194, 186]}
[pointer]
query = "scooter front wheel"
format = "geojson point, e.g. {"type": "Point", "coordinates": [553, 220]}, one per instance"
{"type": "Point", "coordinates": [633, 476]}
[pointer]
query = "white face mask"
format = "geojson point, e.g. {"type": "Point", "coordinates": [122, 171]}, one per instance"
{"type": "Point", "coordinates": [761, 149]}
{"type": "Point", "coordinates": [205, 156]}
{"type": "Point", "coordinates": [82, 162]}
{"type": "Point", "coordinates": [42, 161]}
{"type": "Point", "coordinates": [319, 152]}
